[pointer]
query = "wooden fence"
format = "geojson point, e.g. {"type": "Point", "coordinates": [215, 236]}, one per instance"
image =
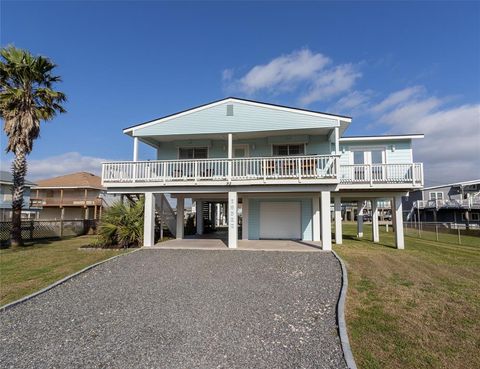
{"type": "Point", "coordinates": [38, 229]}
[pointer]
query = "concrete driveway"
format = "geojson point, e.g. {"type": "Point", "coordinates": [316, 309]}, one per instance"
{"type": "Point", "coordinates": [183, 309]}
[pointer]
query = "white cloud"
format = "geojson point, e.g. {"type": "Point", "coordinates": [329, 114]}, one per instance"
{"type": "Point", "coordinates": [451, 147]}
{"type": "Point", "coordinates": [398, 97]}
{"type": "Point", "coordinates": [53, 166]}
{"type": "Point", "coordinates": [303, 71]}
{"type": "Point", "coordinates": [352, 102]}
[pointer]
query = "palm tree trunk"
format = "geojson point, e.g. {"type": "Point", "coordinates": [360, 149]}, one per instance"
{"type": "Point", "coordinates": [19, 170]}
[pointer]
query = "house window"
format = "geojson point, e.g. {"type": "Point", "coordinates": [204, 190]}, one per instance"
{"type": "Point", "coordinates": [288, 150]}
{"type": "Point", "coordinates": [436, 195]}
{"type": "Point", "coordinates": [193, 153]}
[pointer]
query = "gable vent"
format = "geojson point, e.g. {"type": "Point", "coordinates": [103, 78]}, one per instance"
{"type": "Point", "coordinates": [229, 110]}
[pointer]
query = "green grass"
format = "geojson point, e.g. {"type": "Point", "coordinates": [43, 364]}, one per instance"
{"type": "Point", "coordinates": [412, 308]}
{"type": "Point", "coordinates": [25, 270]}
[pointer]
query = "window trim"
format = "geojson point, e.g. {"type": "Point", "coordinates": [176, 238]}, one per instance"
{"type": "Point", "coordinates": [369, 149]}
{"type": "Point", "coordinates": [288, 144]}
{"type": "Point", "coordinates": [193, 147]}
{"type": "Point", "coordinates": [430, 193]}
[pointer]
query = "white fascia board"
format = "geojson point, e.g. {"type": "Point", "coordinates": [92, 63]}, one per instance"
{"type": "Point", "coordinates": [381, 138]}
{"type": "Point", "coordinates": [65, 188]}
{"type": "Point", "coordinates": [131, 131]}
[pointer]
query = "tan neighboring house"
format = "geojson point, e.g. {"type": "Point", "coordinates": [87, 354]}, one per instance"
{"type": "Point", "coordinates": [70, 197]}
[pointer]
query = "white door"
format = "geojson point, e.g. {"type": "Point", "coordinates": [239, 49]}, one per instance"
{"type": "Point", "coordinates": [280, 220]}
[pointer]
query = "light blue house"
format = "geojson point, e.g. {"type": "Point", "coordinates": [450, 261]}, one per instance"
{"type": "Point", "coordinates": [6, 183]}
{"type": "Point", "coordinates": [276, 168]}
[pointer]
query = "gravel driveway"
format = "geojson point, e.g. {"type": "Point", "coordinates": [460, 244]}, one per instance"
{"type": "Point", "coordinates": [183, 309]}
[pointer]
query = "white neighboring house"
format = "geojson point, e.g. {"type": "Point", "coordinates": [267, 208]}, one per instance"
{"type": "Point", "coordinates": [282, 166]}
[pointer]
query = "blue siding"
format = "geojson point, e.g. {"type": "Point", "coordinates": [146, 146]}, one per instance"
{"type": "Point", "coordinates": [7, 203]}
{"type": "Point", "coordinates": [401, 155]}
{"type": "Point", "coordinates": [257, 147]}
{"type": "Point", "coordinates": [254, 216]}
{"type": "Point", "coordinates": [246, 118]}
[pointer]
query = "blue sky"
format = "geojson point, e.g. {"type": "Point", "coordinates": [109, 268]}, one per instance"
{"type": "Point", "coordinates": [395, 67]}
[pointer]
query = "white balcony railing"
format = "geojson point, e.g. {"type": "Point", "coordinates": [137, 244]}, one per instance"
{"type": "Point", "coordinates": [308, 167]}
{"type": "Point", "coordinates": [238, 169]}
{"type": "Point", "coordinates": [382, 173]}
{"type": "Point", "coordinates": [472, 202]}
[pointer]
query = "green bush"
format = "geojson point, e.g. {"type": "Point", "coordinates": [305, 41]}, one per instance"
{"type": "Point", "coordinates": [121, 226]}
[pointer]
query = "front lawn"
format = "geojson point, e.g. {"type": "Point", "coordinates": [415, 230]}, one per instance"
{"type": "Point", "coordinates": [412, 308]}
{"type": "Point", "coordinates": [25, 270]}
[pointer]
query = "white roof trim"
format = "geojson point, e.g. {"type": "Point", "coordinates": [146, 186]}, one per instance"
{"type": "Point", "coordinates": [227, 100]}
{"type": "Point", "coordinates": [381, 138]}
{"type": "Point", "coordinates": [465, 183]}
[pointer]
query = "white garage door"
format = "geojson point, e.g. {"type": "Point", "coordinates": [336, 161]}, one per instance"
{"type": "Point", "coordinates": [280, 220]}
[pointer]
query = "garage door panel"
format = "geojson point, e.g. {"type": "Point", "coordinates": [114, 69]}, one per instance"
{"type": "Point", "coordinates": [280, 220]}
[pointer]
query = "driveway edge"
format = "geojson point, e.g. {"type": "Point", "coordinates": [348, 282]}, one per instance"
{"type": "Point", "coordinates": [342, 325]}
{"type": "Point", "coordinates": [57, 283]}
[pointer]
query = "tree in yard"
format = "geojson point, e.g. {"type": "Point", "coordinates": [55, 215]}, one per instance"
{"type": "Point", "coordinates": [26, 98]}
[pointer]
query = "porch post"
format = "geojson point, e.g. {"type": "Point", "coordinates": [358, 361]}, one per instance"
{"type": "Point", "coordinates": [316, 218]}
{"type": "Point", "coordinates": [232, 219]}
{"type": "Point", "coordinates": [338, 219]}
{"type": "Point", "coordinates": [245, 218]}
{"type": "Point", "coordinates": [326, 220]}
{"type": "Point", "coordinates": [135, 149]}
{"type": "Point", "coordinates": [199, 216]}
{"type": "Point", "coordinates": [398, 209]}
{"type": "Point", "coordinates": [149, 220]}
{"type": "Point", "coordinates": [180, 216]}
{"type": "Point", "coordinates": [360, 209]}
{"type": "Point", "coordinates": [375, 231]}
{"type": "Point", "coordinates": [230, 156]}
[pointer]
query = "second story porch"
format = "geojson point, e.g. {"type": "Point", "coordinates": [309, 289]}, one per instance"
{"type": "Point", "coordinates": [239, 142]}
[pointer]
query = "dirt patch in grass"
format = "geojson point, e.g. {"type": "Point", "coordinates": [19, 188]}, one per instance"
{"type": "Point", "coordinates": [24, 270]}
{"type": "Point", "coordinates": [412, 308]}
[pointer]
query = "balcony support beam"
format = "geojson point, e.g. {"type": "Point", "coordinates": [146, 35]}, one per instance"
{"type": "Point", "coordinates": [375, 230]}
{"type": "Point", "coordinates": [316, 218]}
{"type": "Point", "coordinates": [398, 222]}
{"type": "Point", "coordinates": [199, 216]}
{"type": "Point", "coordinates": [149, 220]}
{"type": "Point", "coordinates": [245, 209]}
{"type": "Point", "coordinates": [326, 220]}
{"type": "Point", "coordinates": [338, 219]}
{"type": "Point", "coordinates": [232, 219]}
{"type": "Point", "coordinates": [180, 216]}
{"type": "Point", "coordinates": [360, 210]}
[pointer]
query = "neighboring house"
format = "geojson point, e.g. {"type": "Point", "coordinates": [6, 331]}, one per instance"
{"type": "Point", "coordinates": [6, 186]}
{"type": "Point", "coordinates": [281, 165]}
{"type": "Point", "coordinates": [455, 203]}
{"type": "Point", "coordinates": [70, 197]}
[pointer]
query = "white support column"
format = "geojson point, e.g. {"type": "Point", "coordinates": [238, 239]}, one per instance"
{"type": "Point", "coordinates": [180, 216]}
{"type": "Point", "coordinates": [375, 230]}
{"type": "Point", "coordinates": [149, 220]}
{"type": "Point", "coordinates": [230, 155]}
{"type": "Point", "coordinates": [232, 219]}
{"type": "Point", "coordinates": [135, 149]}
{"type": "Point", "coordinates": [245, 218]}
{"type": "Point", "coordinates": [338, 219]}
{"type": "Point", "coordinates": [398, 210]}
{"type": "Point", "coordinates": [326, 220]}
{"type": "Point", "coordinates": [199, 216]}
{"type": "Point", "coordinates": [337, 141]}
{"type": "Point", "coordinates": [360, 209]}
{"type": "Point", "coordinates": [316, 218]}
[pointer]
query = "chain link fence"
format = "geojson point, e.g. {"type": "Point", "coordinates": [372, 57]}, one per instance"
{"type": "Point", "coordinates": [454, 233]}
{"type": "Point", "coordinates": [40, 229]}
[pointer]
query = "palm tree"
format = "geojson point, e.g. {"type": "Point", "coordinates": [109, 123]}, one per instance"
{"type": "Point", "coordinates": [26, 98]}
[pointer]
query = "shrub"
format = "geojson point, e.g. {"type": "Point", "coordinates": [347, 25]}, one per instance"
{"type": "Point", "coordinates": [122, 225]}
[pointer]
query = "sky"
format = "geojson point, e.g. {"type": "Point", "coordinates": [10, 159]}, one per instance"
{"type": "Point", "coordinates": [396, 67]}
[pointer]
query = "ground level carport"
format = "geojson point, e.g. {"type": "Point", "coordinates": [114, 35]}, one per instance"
{"type": "Point", "coordinates": [183, 309]}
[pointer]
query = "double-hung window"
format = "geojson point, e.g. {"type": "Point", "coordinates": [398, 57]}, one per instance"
{"type": "Point", "coordinates": [288, 150]}
{"type": "Point", "coordinates": [436, 195]}
{"type": "Point", "coordinates": [193, 153]}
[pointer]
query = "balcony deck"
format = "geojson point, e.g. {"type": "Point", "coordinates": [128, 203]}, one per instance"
{"type": "Point", "coordinates": [316, 169]}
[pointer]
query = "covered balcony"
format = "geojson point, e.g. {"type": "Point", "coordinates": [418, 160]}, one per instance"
{"type": "Point", "coordinates": [316, 169]}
